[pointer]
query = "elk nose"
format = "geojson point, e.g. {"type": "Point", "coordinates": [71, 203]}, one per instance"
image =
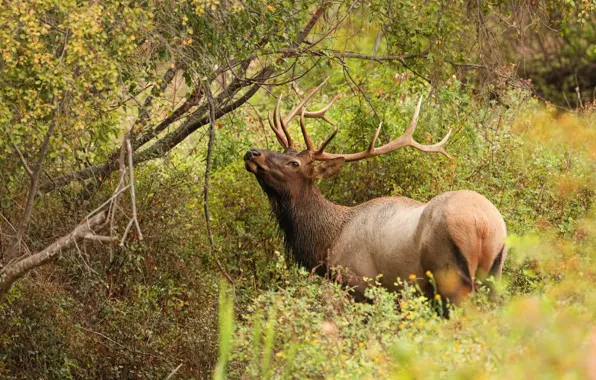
{"type": "Point", "coordinates": [251, 153]}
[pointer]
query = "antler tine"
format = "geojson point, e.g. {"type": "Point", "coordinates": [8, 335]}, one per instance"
{"type": "Point", "coordinates": [288, 137]}
{"type": "Point", "coordinates": [435, 148]}
{"type": "Point", "coordinates": [320, 114]}
{"type": "Point", "coordinates": [299, 106]}
{"type": "Point", "coordinates": [371, 147]}
{"type": "Point", "coordinates": [278, 134]}
{"type": "Point", "coordinates": [414, 121]}
{"type": "Point", "coordinates": [406, 139]}
{"type": "Point", "coordinates": [409, 134]}
{"type": "Point", "coordinates": [321, 150]}
{"type": "Point", "coordinates": [307, 140]}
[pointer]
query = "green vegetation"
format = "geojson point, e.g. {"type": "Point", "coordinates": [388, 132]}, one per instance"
{"type": "Point", "coordinates": [82, 78]}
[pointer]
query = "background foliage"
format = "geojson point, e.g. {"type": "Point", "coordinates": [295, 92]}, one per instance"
{"type": "Point", "coordinates": [513, 79]}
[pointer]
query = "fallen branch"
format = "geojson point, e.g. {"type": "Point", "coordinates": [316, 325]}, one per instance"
{"type": "Point", "coordinates": [17, 270]}
{"type": "Point", "coordinates": [96, 220]}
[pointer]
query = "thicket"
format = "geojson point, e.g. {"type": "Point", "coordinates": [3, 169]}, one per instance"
{"type": "Point", "coordinates": [177, 75]}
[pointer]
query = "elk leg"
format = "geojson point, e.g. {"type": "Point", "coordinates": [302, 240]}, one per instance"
{"type": "Point", "coordinates": [495, 271]}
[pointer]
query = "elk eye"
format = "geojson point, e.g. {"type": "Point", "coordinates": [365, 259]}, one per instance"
{"type": "Point", "coordinates": [294, 164]}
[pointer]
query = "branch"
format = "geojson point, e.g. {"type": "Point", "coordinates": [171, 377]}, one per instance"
{"type": "Point", "coordinates": [313, 20]}
{"type": "Point", "coordinates": [99, 218]}
{"type": "Point", "coordinates": [380, 58]}
{"type": "Point", "coordinates": [400, 59]}
{"type": "Point", "coordinates": [165, 82]}
{"type": "Point", "coordinates": [24, 223]}
{"type": "Point", "coordinates": [206, 189]}
{"type": "Point", "coordinates": [23, 160]}
{"type": "Point", "coordinates": [174, 138]}
{"type": "Point", "coordinates": [335, 26]}
{"type": "Point", "coordinates": [13, 272]}
{"type": "Point", "coordinates": [198, 120]}
{"type": "Point", "coordinates": [192, 101]}
{"type": "Point", "coordinates": [133, 220]}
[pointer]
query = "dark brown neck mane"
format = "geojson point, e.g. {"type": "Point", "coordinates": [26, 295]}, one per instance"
{"type": "Point", "coordinates": [310, 224]}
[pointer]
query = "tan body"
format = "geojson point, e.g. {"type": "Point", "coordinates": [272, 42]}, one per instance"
{"type": "Point", "coordinates": [397, 236]}
{"type": "Point", "coordinates": [458, 236]}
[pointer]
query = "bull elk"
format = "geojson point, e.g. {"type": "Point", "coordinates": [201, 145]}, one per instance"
{"type": "Point", "coordinates": [458, 236]}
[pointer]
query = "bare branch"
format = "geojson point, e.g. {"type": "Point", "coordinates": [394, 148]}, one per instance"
{"type": "Point", "coordinates": [100, 238]}
{"type": "Point", "coordinates": [174, 371]}
{"type": "Point", "coordinates": [24, 223]}
{"type": "Point", "coordinates": [165, 82]}
{"type": "Point", "coordinates": [23, 160]}
{"type": "Point", "coordinates": [313, 20]}
{"type": "Point", "coordinates": [86, 230]}
{"type": "Point", "coordinates": [132, 190]}
{"type": "Point", "coordinates": [17, 270]}
{"type": "Point", "coordinates": [125, 234]}
{"type": "Point", "coordinates": [133, 220]}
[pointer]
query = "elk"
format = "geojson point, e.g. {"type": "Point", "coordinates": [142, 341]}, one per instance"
{"type": "Point", "coordinates": [458, 236]}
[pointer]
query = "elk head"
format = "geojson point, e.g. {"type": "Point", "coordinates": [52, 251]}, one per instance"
{"type": "Point", "coordinates": [290, 173]}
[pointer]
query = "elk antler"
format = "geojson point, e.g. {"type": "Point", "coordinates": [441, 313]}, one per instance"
{"type": "Point", "coordinates": [279, 124]}
{"type": "Point", "coordinates": [406, 139]}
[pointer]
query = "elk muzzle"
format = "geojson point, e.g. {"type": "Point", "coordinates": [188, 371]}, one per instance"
{"type": "Point", "coordinates": [249, 160]}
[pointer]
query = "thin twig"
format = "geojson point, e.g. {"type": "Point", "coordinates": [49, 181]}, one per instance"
{"type": "Point", "coordinates": [207, 178]}
{"type": "Point", "coordinates": [125, 234]}
{"type": "Point", "coordinates": [335, 26]}
{"type": "Point", "coordinates": [83, 260]}
{"type": "Point", "coordinates": [174, 372]}
{"type": "Point", "coordinates": [132, 190]}
{"type": "Point", "coordinates": [347, 71]}
{"type": "Point", "coordinates": [23, 160]}
{"type": "Point", "coordinates": [116, 343]}
{"type": "Point", "coordinates": [106, 202]}
{"type": "Point", "coordinates": [133, 220]}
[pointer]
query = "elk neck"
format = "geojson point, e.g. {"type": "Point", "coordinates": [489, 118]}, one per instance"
{"type": "Point", "coordinates": [310, 224]}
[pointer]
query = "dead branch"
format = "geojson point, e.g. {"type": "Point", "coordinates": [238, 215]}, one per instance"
{"type": "Point", "coordinates": [171, 375]}
{"type": "Point", "coordinates": [132, 190]}
{"type": "Point", "coordinates": [337, 24]}
{"type": "Point", "coordinates": [96, 220]}
{"type": "Point", "coordinates": [17, 270]}
{"type": "Point", "coordinates": [13, 250]}
{"type": "Point", "coordinates": [133, 220]}
{"type": "Point", "coordinates": [114, 204]}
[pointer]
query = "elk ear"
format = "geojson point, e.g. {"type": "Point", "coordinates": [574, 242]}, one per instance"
{"type": "Point", "coordinates": [329, 168]}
